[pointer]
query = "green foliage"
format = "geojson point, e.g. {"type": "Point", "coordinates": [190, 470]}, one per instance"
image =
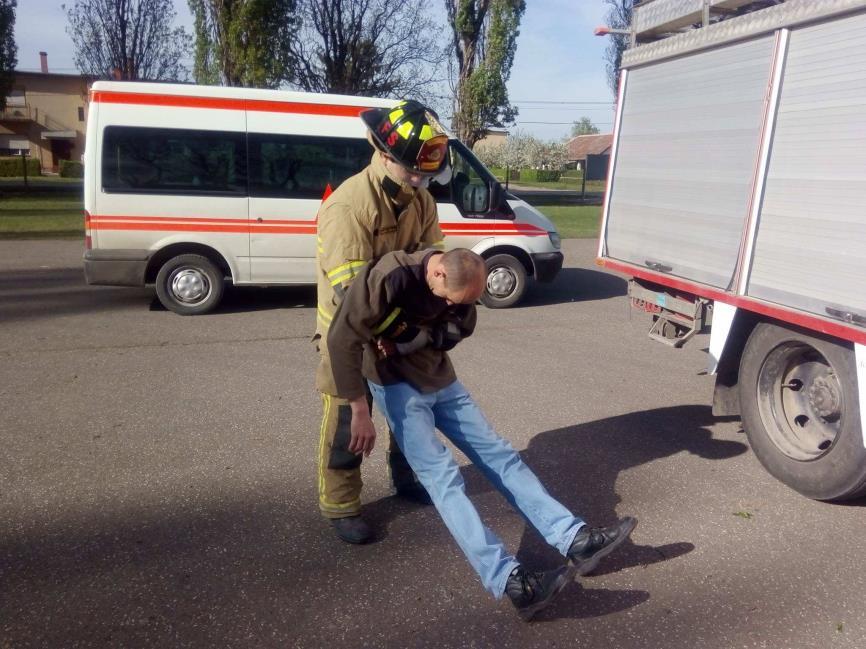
{"type": "Point", "coordinates": [583, 127]}
{"type": "Point", "coordinates": [485, 40]}
{"type": "Point", "coordinates": [71, 169]}
{"type": "Point", "coordinates": [540, 175]}
{"type": "Point", "coordinates": [618, 17]}
{"type": "Point", "coordinates": [243, 42]}
{"type": "Point", "coordinates": [134, 39]}
{"type": "Point", "coordinates": [12, 167]}
{"type": "Point", "coordinates": [8, 49]}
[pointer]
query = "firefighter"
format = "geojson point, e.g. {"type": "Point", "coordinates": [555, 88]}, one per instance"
{"type": "Point", "coordinates": [384, 208]}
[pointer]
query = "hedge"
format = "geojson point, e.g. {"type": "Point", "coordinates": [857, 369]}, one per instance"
{"type": "Point", "coordinates": [11, 167]}
{"type": "Point", "coordinates": [540, 175]}
{"type": "Point", "coordinates": [71, 169]}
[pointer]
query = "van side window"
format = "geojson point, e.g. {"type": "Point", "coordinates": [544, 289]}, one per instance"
{"type": "Point", "coordinates": [173, 161]}
{"type": "Point", "coordinates": [299, 166]}
{"type": "Point", "coordinates": [470, 185]}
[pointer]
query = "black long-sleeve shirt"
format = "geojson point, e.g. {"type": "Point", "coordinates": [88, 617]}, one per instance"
{"type": "Point", "coordinates": [391, 299]}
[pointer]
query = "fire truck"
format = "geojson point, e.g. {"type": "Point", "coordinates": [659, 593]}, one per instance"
{"type": "Point", "coordinates": [736, 203]}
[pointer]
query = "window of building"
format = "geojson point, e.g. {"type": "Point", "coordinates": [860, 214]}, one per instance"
{"type": "Point", "coordinates": [80, 113]}
{"type": "Point", "coordinates": [173, 161]}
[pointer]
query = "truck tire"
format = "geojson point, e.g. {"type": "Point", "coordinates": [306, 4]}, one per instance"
{"type": "Point", "coordinates": [506, 282]}
{"type": "Point", "coordinates": [189, 284]}
{"type": "Point", "coordinates": [800, 409]}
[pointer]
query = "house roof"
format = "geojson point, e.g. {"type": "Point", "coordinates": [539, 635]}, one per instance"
{"type": "Point", "coordinates": [582, 145]}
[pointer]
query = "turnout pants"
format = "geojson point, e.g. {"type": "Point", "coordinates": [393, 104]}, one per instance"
{"type": "Point", "coordinates": [339, 470]}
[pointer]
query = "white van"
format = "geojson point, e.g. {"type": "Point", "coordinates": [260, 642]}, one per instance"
{"type": "Point", "coordinates": [232, 179]}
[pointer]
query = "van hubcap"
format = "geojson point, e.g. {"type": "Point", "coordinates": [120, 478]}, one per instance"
{"type": "Point", "coordinates": [501, 282]}
{"type": "Point", "coordinates": [189, 285]}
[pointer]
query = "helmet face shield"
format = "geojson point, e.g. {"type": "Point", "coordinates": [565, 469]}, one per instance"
{"type": "Point", "coordinates": [411, 135]}
{"type": "Point", "coordinates": [432, 154]}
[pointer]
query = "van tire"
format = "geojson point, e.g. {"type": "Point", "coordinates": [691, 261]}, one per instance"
{"type": "Point", "coordinates": [801, 411]}
{"type": "Point", "coordinates": [506, 282]}
{"type": "Point", "coordinates": [189, 285]}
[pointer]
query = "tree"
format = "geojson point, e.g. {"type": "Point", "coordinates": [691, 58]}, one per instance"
{"type": "Point", "coordinates": [484, 34]}
{"type": "Point", "coordinates": [132, 39]}
{"type": "Point", "coordinates": [8, 49]}
{"type": "Point", "coordinates": [583, 127]}
{"type": "Point", "coordinates": [243, 42]}
{"type": "Point", "coordinates": [618, 17]}
{"type": "Point", "coordinates": [374, 48]}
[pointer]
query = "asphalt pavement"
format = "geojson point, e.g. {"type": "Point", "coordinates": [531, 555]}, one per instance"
{"type": "Point", "coordinates": [158, 483]}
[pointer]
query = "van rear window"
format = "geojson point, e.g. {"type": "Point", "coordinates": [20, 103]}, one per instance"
{"type": "Point", "coordinates": [173, 161]}
{"type": "Point", "coordinates": [301, 166]}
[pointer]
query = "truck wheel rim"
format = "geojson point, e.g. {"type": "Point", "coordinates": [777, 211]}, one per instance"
{"type": "Point", "coordinates": [501, 282]}
{"type": "Point", "coordinates": [189, 286]}
{"type": "Point", "coordinates": [800, 401]}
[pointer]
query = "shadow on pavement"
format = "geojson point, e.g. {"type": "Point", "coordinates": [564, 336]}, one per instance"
{"type": "Point", "coordinates": [45, 293]}
{"type": "Point", "coordinates": [579, 466]}
{"type": "Point", "coordinates": [574, 285]}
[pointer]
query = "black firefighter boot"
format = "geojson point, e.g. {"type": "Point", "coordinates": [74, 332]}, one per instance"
{"type": "Point", "coordinates": [352, 529]}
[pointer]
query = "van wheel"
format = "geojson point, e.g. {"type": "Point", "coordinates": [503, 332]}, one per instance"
{"type": "Point", "coordinates": [189, 285]}
{"type": "Point", "coordinates": [506, 282]}
{"type": "Point", "coordinates": [801, 411]}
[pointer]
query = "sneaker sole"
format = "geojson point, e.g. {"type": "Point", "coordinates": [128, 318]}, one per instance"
{"type": "Point", "coordinates": [587, 566]}
{"type": "Point", "coordinates": [562, 581]}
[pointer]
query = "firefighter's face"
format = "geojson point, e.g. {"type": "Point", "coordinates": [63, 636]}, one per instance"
{"type": "Point", "coordinates": [404, 175]}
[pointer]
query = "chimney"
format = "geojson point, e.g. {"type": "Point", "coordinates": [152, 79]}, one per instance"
{"type": "Point", "coordinates": [43, 62]}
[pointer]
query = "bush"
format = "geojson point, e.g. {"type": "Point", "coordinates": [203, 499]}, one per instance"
{"type": "Point", "coordinates": [11, 167]}
{"type": "Point", "coordinates": [499, 172]}
{"type": "Point", "coordinates": [540, 175]}
{"type": "Point", "coordinates": [71, 169]}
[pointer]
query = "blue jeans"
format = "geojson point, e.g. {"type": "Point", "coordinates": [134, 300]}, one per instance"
{"type": "Point", "coordinates": [413, 417]}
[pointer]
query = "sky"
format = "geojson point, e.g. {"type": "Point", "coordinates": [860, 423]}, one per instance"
{"type": "Point", "coordinates": [558, 59]}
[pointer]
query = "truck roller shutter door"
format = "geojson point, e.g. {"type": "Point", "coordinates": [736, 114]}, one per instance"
{"type": "Point", "coordinates": [686, 156]}
{"type": "Point", "coordinates": [810, 251]}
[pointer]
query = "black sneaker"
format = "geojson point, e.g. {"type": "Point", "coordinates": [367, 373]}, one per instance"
{"type": "Point", "coordinates": [593, 544]}
{"type": "Point", "coordinates": [532, 591]}
{"type": "Point", "coordinates": [414, 492]}
{"type": "Point", "coordinates": [352, 529]}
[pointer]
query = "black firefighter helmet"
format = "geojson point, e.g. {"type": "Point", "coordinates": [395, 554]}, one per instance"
{"type": "Point", "coordinates": [411, 134]}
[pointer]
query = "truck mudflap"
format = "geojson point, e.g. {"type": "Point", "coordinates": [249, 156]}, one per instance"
{"type": "Point", "coordinates": [116, 267]}
{"type": "Point", "coordinates": [676, 316]}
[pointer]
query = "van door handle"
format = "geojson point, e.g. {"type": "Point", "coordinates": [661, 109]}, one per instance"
{"type": "Point", "coordinates": [259, 220]}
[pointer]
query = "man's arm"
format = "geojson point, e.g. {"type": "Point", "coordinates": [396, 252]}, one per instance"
{"type": "Point", "coordinates": [364, 306]}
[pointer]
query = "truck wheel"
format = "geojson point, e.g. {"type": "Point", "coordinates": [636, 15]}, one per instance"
{"type": "Point", "coordinates": [189, 284]}
{"type": "Point", "coordinates": [800, 409]}
{"type": "Point", "coordinates": [506, 282]}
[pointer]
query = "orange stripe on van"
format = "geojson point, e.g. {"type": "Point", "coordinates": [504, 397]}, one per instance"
{"type": "Point", "coordinates": [223, 103]}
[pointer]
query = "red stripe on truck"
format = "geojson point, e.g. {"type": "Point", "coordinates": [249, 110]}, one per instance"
{"type": "Point", "coordinates": [785, 314]}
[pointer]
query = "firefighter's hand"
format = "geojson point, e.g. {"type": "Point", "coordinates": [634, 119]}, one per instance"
{"type": "Point", "coordinates": [363, 433]}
